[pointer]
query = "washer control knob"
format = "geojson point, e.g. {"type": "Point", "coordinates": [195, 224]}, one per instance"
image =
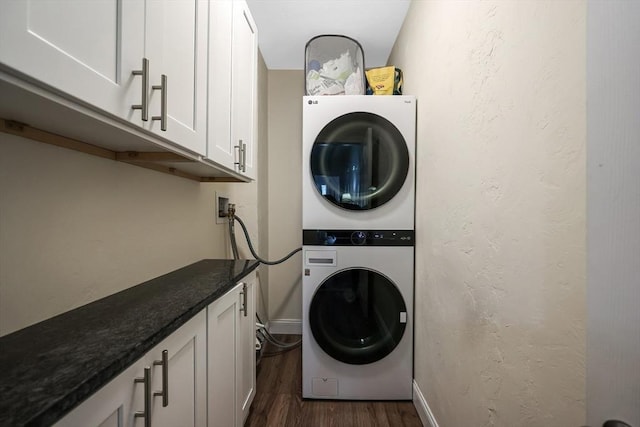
{"type": "Point", "coordinates": [358, 237]}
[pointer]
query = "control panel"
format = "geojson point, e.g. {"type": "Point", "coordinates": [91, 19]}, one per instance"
{"type": "Point", "coordinates": [358, 237]}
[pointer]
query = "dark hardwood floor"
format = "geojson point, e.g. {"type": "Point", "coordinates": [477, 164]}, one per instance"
{"type": "Point", "coordinates": [278, 400]}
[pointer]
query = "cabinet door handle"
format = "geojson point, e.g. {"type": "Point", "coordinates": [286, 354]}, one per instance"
{"type": "Point", "coordinates": [244, 308]}
{"type": "Point", "coordinates": [164, 362]}
{"type": "Point", "coordinates": [146, 414]}
{"type": "Point", "coordinates": [163, 102]}
{"type": "Point", "coordinates": [244, 156]}
{"type": "Point", "coordinates": [239, 162]}
{"type": "Point", "coordinates": [144, 103]}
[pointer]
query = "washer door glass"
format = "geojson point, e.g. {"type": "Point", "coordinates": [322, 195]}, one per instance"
{"type": "Point", "coordinates": [357, 316]}
{"type": "Point", "coordinates": [359, 161]}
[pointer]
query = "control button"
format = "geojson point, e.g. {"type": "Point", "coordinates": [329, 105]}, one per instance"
{"type": "Point", "coordinates": [358, 237]}
{"type": "Point", "coordinates": [329, 239]}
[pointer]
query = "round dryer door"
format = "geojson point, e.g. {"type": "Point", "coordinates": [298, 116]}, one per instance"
{"type": "Point", "coordinates": [357, 316]}
{"type": "Point", "coordinates": [359, 161]}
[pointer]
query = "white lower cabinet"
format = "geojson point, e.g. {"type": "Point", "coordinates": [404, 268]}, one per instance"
{"type": "Point", "coordinates": [180, 384]}
{"type": "Point", "coordinates": [231, 355]}
{"type": "Point", "coordinates": [202, 374]}
{"type": "Point", "coordinates": [186, 369]}
{"type": "Point", "coordinates": [247, 349]}
{"type": "Point", "coordinates": [113, 405]}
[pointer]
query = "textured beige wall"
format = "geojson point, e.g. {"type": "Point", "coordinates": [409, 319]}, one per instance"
{"type": "Point", "coordinates": [500, 229]}
{"type": "Point", "coordinates": [286, 89]}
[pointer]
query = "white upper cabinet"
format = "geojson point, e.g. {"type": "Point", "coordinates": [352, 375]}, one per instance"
{"type": "Point", "coordinates": [244, 86]}
{"type": "Point", "coordinates": [233, 54]}
{"type": "Point", "coordinates": [93, 52]}
{"type": "Point", "coordinates": [219, 145]}
{"type": "Point", "coordinates": [83, 49]}
{"type": "Point", "coordinates": [176, 46]}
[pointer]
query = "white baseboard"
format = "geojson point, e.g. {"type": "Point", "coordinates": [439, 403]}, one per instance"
{"type": "Point", "coordinates": [286, 326]}
{"type": "Point", "coordinates": [424, 412]}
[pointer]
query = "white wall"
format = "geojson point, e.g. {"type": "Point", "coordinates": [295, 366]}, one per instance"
{"type": "Point", "coordinates": [613, 90]}
{"type": "Point", "coordinates": [285, 92]}
{"type": "Point", "coordinates": [500, 229]}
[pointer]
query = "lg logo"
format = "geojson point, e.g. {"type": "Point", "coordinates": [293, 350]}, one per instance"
{"type": "Point", "coordinates": [312, 101]}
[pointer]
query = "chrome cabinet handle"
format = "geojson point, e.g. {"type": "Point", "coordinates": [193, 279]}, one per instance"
{"type": "Point", "coordinates": [164, 362]}
{"type": "Point", "coordinates": [146, 414]}
{"type": "Point", "coordinates": [239, 162]}
{"type": "Point", "coordinates": [244, 156]}
{"type": "Point", "coordinates": [144, 105]}
{"type": "Point", "coordinates": [163, 102]}
{"type": "Point", "coordinates": [244, 308]}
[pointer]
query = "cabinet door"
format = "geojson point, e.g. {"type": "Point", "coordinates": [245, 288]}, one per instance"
{"type": "Point", "coordinates": [219, 145]}
{"type": "Point", "coordinates": [244, 85]}
{"type": "Point", "coordinates": [223, 331]}
{"type": "Point", "coordinates": [113, 405]}
{"type": "Point", "coordinates": [86, 50]}
{"type": "Point", "coordinates": [247, 389]}
{"type": "Point", "coordinates": [186, 380]}
{"type": "Point", "coordinates": [176, 45]}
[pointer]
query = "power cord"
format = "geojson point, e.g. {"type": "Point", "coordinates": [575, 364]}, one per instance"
{"type": "Point", "coordinates": [253, 252]}
{"type": "Point", "coordinates": [234, 247]}
{"type": "Point", "coordinates": [285, 347]}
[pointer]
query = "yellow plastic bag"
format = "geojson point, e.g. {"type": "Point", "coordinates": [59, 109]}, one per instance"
{"type": "Point", "coordinates": [385, 80]}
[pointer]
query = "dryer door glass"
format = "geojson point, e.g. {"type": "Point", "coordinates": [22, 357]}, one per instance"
{"type": "Point", "coordinates": [357, 316]}
{"type": "Point", "coordinates": [359, 161]}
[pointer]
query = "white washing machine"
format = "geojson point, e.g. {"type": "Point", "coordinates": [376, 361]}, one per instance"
{"type": "Point", "coordinates": [357, 314]}
{"type": "Point", "coordinates": [358, 162]}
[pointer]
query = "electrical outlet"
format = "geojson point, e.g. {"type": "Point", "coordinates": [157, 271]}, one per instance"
{"type": "Point", "coordinates": [222, 207]}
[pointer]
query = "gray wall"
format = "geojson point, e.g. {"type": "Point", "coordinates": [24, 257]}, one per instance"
{"type": "Point", "coordinates": [613, 212]}
{"type": "Point", "coordinates": [285, 90]}
{"type": "Point", "coordinates": [263, 189]}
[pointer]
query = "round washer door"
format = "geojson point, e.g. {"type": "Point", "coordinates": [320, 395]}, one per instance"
{"type": "Point", "coordinates": [357, 316]}
{"type": "Point", "coordinates": [359, 161]}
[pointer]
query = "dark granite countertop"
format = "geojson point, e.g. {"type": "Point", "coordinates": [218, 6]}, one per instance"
{"type": "Point", "coordinates": [49, 368]}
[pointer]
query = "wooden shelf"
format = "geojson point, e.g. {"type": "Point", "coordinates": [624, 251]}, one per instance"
{"type": "Point", "coordinates": [31, 110]}
{"type": "Point", "coordinates": [160, 161]}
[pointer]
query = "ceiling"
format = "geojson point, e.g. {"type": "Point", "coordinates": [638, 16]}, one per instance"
{"type": "Point", "coordinates": [285, 26]}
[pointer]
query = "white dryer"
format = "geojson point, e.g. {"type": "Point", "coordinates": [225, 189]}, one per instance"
{"type": "Point", "coordinates": [357, 301]}
{"type": "Point", "coordinates": [358, 162]}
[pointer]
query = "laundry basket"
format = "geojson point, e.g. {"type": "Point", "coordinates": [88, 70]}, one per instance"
{"type": "Point", "coordinates": [334, 65]}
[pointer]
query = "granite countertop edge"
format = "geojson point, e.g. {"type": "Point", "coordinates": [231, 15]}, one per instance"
{"type": "Point", "coordinates": [42, 412]}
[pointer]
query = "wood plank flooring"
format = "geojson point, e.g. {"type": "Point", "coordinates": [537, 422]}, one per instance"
{"type": "Point", "coordinates": [278, 401]}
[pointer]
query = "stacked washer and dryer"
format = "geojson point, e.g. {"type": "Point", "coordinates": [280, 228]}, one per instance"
{"type": "Point", "coordinates": [358, 192]}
